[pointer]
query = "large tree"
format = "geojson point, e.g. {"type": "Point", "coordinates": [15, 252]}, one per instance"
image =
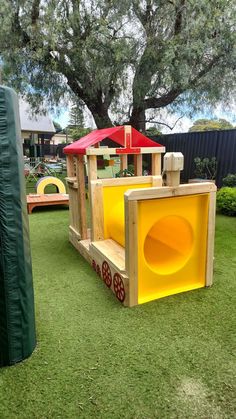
{"type": "Point", "coordinates": [132, 54]}
{"type": "Point", "coordinates": [210, 125]}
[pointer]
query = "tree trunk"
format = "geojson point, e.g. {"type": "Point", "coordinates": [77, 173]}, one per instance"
{"type": "Point", "coordinates": [100, 115]}
{"type": "Point", "coordinates": [137, 119]}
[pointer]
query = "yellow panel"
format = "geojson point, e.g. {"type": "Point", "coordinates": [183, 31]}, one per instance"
{"type": "Point", "coordinates": [113, 204]}
{"type": "Point", "coordinates": [172, 245]}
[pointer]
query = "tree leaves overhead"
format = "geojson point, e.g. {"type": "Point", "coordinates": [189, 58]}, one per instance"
{"type": "Point", "coordinates": [141, 54]}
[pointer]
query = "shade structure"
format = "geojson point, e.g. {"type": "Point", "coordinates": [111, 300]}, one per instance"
{"type": "Point", "coordinates": [116, 134]}
{"type": "Point", "coordinates": [17, 320]}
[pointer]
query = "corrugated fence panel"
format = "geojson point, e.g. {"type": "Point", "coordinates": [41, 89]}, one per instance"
{"type": "Point", "coordinates": [226, 154]}
{"type": "Point", "coordinates": [219, 144]}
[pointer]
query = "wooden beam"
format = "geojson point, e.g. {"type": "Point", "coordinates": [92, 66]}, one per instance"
{"type": "Point", "coordinates": [70, 165]}
{"type": "Point", "coordinates": [138, 164]}
{"type": "Point", "coordinates": [156, 181]}
{"type": "Point", "coordinates": [210, 239]}
{"type": "Point", "coordinates": [168, 191]}
{"type": "Point", "coordinates": [129, 180]}
{"type": "Point", "coordinates": [131, 249]}
{"type": "Point", "coordinates": [81, 195]}
{"type": "Point", "coordinates": [156, 164]}
{"type": "Point", "coordinates": [143, 150]}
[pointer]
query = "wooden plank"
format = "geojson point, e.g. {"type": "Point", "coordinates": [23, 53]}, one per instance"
{"type": "Point", "coordinates": [83, 248]}
{"type": "Point", "coordinates": [138, 164]}
{"type": "Point", "coordinates": [112, 271]}
{"type": "Point", "coordinates": [112, 251]}
{"type": "Point", "coordinates": [75, 232]}
{"type": "Point", "coordinates": [97, 211]}
{"type": "Point", "coordinates": [103, 151]}
{"type": "Point", "coordinates": [210, 239]}
{"type": "Point", "coordinates": [131, 249]}
{"type": "Point", "coordinates": [156, 181]}
{"type": "Point", "coordinates": [42, 200]}
{"type": "Point", "coordinates": [81, 195]}
{"type": "Point", "coordinates": [70, 165]}
{"type": "Point", "coordinates": [123, 162]}
{"type": "Point", "coordinates": [168, 191]}
{"type": "Point", "coordinates": [74, 209]}
{"type": "Point", "coordinates": [100, 151]}
{"type": "Point", "coordinates": [130, 180]}
{"type": "Point", "coordinates": [156, 164]}
{"type": "Point", "coordinates": [152, 150]}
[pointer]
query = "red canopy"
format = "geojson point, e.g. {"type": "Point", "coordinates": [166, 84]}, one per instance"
{"type": "Point", "coordinates": [116, 134]}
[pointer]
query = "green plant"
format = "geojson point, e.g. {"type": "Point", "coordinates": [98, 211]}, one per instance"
{"type": "Point", "coordinates": [205, 168]}
{"type": "Point", "coordinates": [229, 180]}
{"type": "Point", "coordinates": [226, 201]}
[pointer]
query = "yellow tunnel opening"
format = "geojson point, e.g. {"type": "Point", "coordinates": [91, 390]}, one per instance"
{"type": "Point", "coordinates": [168, 244]}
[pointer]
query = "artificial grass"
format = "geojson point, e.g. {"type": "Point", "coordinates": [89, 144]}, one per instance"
{"type": "Point", "coordinates": [171, 358]}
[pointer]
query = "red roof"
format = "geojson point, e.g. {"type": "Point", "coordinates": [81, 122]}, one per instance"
{"type": "Point", "coordinates": [116, 134]}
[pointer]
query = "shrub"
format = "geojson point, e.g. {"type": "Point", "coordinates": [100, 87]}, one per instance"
{"type": "Point", "coordinates": [226, 201]}
{"type": "Point", "coordinates": [205, 168]}
{"type": "Point", "coordinates": [229, 180]}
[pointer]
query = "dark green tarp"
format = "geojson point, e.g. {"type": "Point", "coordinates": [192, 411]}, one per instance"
{"type": "Point", "coordinates": [17, 322]}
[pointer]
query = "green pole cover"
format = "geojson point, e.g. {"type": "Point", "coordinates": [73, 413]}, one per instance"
{"type": "Point", "coordinates": [17, 320]}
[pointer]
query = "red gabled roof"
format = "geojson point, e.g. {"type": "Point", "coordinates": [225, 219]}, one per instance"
{"type": "Point", "coordinates": [116, 134]}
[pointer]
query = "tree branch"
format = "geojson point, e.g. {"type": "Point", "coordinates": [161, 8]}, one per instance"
{"type": "Point", "coordinates": [163, 123]}
{"type": "Point", "coordinates": [35, 11]}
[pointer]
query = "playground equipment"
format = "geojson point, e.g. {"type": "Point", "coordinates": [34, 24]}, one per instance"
{"type": "Point", "coordinates": [40, 199]}
{"type": "Point", "coordinates": [50, 180]}
{"type": "Point", "coordinates": [146, 241]}
{"type": "Point", "coordinates": [17, 323]}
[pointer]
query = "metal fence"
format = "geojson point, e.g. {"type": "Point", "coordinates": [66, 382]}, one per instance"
{"type": "Point", "coordinates": [218, 144]}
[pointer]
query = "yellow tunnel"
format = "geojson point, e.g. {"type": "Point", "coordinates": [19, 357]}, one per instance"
{"type": "Point", "coordinates": [172, 240]}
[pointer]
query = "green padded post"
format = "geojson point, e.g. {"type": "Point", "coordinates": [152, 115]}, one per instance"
{"type": "Point", "coordinates": [17, 321]}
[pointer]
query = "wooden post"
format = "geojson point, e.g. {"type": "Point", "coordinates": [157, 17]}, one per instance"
{"type": "Point", "coordinates": [138, 164]}
{"type": "Point", "coordinates": [156, 164]}
{"type": "Point", "coordinates": [131, 249]}
{"type": "Point", "coordinates": [123, 162]}
{"type": "Point", "coordinates": [210, 238]}
{"type": "Point", "coordinates": [97, 211]}
{"type": "Point", "coordinates": [70, 165]}
{"type": "Point", "coordinates": [92, 167]}
{"type": "Point", "coordinates": [81, 195]}
{"type": "Point", "coordinates": [173, 164]}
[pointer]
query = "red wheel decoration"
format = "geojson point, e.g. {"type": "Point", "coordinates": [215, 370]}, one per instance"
{"type": "Point", "coordinates": [119, 287]}
{"type": "Point", "coordinates": [94, 266]}
{"type": "Point", "coordinates": [98, 270]}
{"type": "Point", "coordinates": [106, 274]}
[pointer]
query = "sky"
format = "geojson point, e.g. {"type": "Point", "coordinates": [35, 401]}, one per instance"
{"type": "Point", "coordinates": [182, 125]}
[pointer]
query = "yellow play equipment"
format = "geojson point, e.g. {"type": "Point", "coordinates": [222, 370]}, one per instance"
{"type": "Point", "coordinates": [50, 180]}
{"type": "Point", "coordinates": [146, 241]}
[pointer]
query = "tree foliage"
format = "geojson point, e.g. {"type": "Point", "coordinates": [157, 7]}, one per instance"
{"type": "Point", "coordinates": [77, 114]}
{"type": "Point", "coordinates": [210, 125]}
{"type": "Point", "coordinates": [129, 55]}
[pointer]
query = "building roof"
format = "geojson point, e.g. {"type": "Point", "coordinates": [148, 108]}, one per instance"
{"type": "Point", "coordinates": [37, 124]}
{"type": "Point", "coordinates": [116, 134]}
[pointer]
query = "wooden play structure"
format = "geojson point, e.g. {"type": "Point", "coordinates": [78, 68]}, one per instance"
{"type": "Point", "coordinates": [40, 199]}
{"type": "Point", "coordinates": [146, 240]}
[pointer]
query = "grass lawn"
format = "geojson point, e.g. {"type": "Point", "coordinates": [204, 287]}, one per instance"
{"type": "Point", "coordinates": [171, 358]}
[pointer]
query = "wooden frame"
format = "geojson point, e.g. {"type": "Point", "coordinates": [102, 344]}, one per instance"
{"type": "Point", "coordinates": [122, 262]}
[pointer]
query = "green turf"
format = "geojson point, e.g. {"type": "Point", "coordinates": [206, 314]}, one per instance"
{"type": "Point", "coordinates": [171, 358]}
